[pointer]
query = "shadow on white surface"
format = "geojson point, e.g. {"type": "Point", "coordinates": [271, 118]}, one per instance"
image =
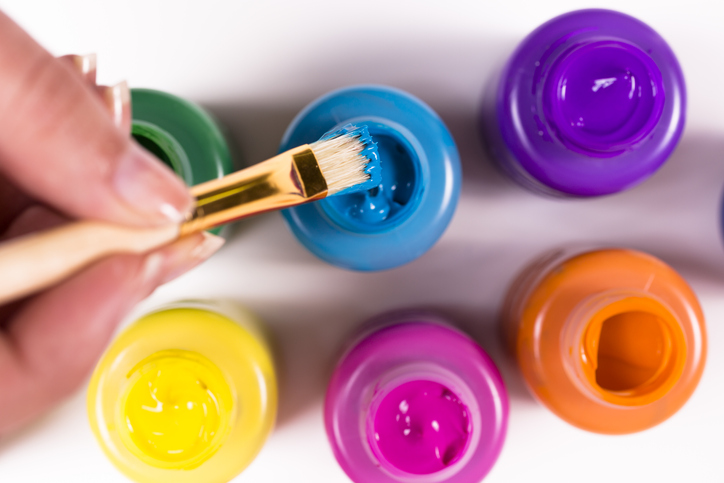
{"type": "Point", "coordinates": [674, 215]}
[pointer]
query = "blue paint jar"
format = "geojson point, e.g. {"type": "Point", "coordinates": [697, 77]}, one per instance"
{"type": "Point", "coordinates": [405, 215]}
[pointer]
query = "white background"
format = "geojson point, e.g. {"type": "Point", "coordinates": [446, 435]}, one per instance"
{"type": "Point", "coordinates": [255, 64]}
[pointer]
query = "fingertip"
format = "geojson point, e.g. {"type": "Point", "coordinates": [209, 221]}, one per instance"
{"type": "Point", "coordinates": [117, 100]}
{"type": "Point", "coordinates": [85, 65]}
{"type": "Point", "coordinates": [149, 188]}
{"type": "Point", "coordinates": [187, 253]}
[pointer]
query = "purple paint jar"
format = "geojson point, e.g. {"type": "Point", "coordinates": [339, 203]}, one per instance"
{"type": "Point", "coordinates": [416, 401]}
{"type": "Point", "coordinates": [590, 103]}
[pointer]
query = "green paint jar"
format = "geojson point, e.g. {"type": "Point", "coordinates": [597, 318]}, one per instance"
{"type": "Point", "coordinates": [182, 135]}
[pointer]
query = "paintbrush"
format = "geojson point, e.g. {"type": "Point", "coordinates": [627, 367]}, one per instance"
{"type": "Point", "coordinates": [342, 161]}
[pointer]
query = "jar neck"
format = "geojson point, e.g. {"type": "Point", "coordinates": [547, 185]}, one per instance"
{"type": "Point", "coordinates": [425, 373]}
{"type": "Point", "coordinates": [623, 348]}
{"type": "Point", "coordinates": [163, 146]}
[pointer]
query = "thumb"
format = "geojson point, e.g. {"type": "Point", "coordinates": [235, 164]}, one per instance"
{"type": "Point", "coordinates": [61, 147]}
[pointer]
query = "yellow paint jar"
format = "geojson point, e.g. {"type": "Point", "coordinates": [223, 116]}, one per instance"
{"type": "Point", "coordinates": [185, 394]}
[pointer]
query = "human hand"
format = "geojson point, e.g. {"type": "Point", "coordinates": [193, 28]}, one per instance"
{"type": "Point", "coordinates": [62, 157]}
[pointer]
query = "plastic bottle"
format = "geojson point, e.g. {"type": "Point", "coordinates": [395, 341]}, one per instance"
{"type": "Point", "coordinates": [185, 394]}
{"type": "Point", "coordinates": [407, 213]}
{"type": "Point", "coordinates": [591, 103]}
{"type": "Point", "coordinates": [612, 341]}
{"type": "Point", "coordinates": [416, 401]}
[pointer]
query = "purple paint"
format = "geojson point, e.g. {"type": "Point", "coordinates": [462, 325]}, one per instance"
{"type": "Point", "coordinates": [602, 98]}
{"type": "Point", "coordinates": [591, 103]}
{"type": "Point", "coordinates": [420, 427]}
{"type": "Point", "coordinates": [452, 393]}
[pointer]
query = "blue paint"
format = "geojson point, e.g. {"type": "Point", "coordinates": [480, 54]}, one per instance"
{"type": "Point", "coordinates": [401, 217]}
{"type": "Point", "coordinates": [370, 152]}
{"type": "Point", "coordinates": [381, 205]}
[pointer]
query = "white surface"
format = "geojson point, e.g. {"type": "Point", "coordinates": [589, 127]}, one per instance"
{"type": "Point", "coordinates": [256, 63]}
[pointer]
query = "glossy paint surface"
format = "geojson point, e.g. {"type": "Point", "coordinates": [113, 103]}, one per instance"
{"type": "Point", "coordinates": [603, 97]}
{"type": "Point", "coordinates": [389, 196]}
{"type": "Point", "coordinates": [176, 405]}
{"type": "Point", "coordinates": [421, 427]}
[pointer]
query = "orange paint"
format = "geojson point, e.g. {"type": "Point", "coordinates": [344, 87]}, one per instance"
{"type": "Point", "coordinates": [612, 341]}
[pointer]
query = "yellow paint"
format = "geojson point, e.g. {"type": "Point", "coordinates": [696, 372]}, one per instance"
{"type": "Point", "coordinates": [177, 408]}
{"type": "Point", "coordinates": [184, 395]}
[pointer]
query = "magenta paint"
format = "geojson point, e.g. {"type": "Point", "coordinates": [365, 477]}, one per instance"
{"type": "Point", "coordinates": [420, 427]}
{"type": "Point", "coordinates": [416, 366]}
{"type": "Point", "coordinates": [591, 103]}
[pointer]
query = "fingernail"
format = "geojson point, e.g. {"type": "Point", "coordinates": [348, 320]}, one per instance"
{"type": "Point", "coordinates": [150, 188]}
{"type": "Point", "coordinates": [185, 254]}
{"type": "Point", "coordinates": [152, 268]}
{"type": "Point", "coordinates": [117, 100]}
{"type": "Point", "coordinates": [88, 67]}
{"type": "Point", "coordinates": [85, 65]}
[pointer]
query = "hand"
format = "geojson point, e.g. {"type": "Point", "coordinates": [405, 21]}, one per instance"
{"type": "Point", "coordinates": [62, 157]}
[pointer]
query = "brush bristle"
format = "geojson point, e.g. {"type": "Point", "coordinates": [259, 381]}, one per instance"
{"type": "Point", "coordinates": [348, 159]}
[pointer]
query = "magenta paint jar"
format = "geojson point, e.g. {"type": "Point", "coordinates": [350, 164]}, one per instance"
{"type": "Point", "coordinates": [416, 401]}
{"type": "Point", "coordinates": [591, 103]}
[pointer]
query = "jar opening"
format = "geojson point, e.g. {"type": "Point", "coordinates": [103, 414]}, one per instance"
{"type": "Point", "coordinates": [151, 146]}
{"type": "Point", "coordinates": [632, 348]}
{"type": "Point", "coordinates": [421, 427]}
{"type": "Point", "coordinates": [603, 97]}
{"type": "Point", "coordinates": [175, 411]}
{"type": "Point", "coordinates": [163, 146]}
{"type": "Point", "coordinates": [389, 203]}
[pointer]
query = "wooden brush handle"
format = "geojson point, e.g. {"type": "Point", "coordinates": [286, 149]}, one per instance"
{"type": "Point", "coordinates": [39, 260]}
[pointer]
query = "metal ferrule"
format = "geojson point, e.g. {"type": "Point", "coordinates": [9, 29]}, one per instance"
{"type": "Point", "coordinates": [288, 179]}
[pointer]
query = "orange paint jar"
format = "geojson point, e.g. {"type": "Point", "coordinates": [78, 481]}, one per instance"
{"type": "Point", "coordinates": [612, 341]}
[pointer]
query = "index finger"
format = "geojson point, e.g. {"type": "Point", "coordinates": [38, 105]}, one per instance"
{"type": "Point", "coordinates": [61, 147]}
